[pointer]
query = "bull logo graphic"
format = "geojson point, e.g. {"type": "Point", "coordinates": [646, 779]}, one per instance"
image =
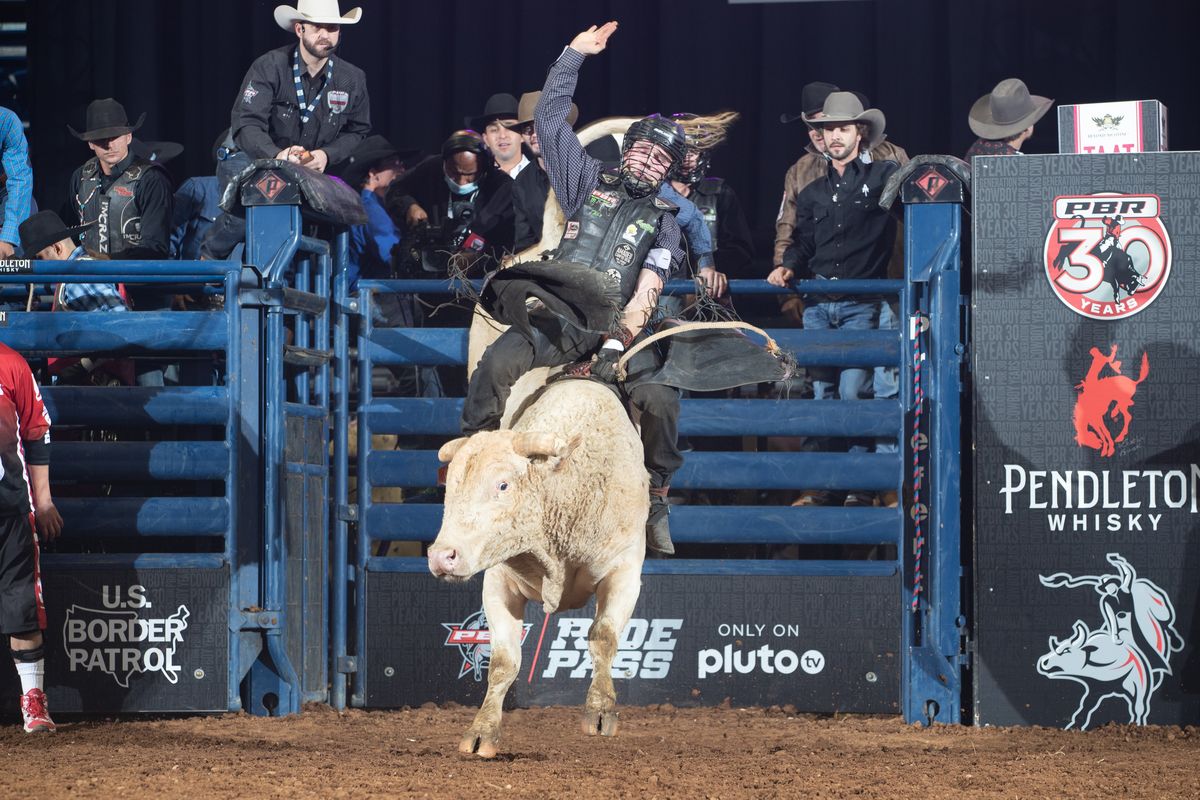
{"type": "Point", "coordinates": [473, 639]}
{"type": "Point", "coordinates": [1107, 255]}
{"type": "Point", "coordinates": [1109, 396]}
{"type": "Point", "coordinates": [1128, 656]}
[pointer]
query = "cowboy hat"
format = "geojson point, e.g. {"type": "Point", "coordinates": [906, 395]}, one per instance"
{"type": "Point", "coordinates": [43, 229]}
{"type": "Point", "coordinates": [320, 12]}
{"type": "Point", "coordinates": [1006, 110]}
{"type": "Point", "coordinates": [158, 152]}
{"type": "Point", "coordinates": [498, 106]}
{"type": "Point", "coordinates": [528, 103]}
{"type": "Point", "coordinates": [845, 107]}
{"type": "Point", "coordinates": [369, 152]}
{"type": "Point", "coordinates": [812, 99]}
{"type": "Point", "coordinates": [105, 119]}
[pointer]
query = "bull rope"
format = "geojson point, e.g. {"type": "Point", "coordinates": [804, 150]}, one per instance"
{"type": "Point", "coordinates": [772, 346]}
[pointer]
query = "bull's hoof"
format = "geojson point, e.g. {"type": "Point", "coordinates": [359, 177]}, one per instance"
{"type": "Point", "coordinates": [604, 723]}
{"type": "Point", "coordinates": [479, 744]}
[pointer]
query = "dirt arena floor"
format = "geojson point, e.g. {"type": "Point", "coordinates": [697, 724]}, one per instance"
{"type": "Point", "coordinates": [660, 752]}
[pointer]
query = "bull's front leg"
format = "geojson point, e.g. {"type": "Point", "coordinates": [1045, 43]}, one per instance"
{"type": "Point", "coordinates": [616, 596]}
{"type": "Point", "coordinates": [505, 610]}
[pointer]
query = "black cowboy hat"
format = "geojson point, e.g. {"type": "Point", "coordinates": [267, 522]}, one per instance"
{"type": "Point", "coordinates": [106, 119]}
{"type": "Point", "coordinates": [158, 152]}
{"type": "Point", "coordinates": [498, 106]}
{"type": "Point", "coordinates": [369, 152]}
{"type": "Point", "coordinates": [812, 100]}
{"type": "Point", "coordinates": [43, 229]}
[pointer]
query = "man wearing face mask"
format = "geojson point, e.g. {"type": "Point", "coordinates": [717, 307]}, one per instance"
{"type": "Point", "coordinates": [620, 244]}
{"type": "Point", "coordinates": [298, 103]}
{"type": "Point", "coordinates": [458, 201]}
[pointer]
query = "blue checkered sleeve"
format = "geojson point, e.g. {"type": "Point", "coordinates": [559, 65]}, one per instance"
{"type": "Point", "coordinates": [15, 155]}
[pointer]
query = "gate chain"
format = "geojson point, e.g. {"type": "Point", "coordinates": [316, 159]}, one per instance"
{"type": "Point", "coordinates": [918, 325]}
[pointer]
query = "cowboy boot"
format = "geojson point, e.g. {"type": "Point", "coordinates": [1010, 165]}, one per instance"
{"type": "Point", "coordinates": [658, 531]}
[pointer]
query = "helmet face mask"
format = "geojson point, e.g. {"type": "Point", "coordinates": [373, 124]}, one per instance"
{"type": "Point", "coordinates": [693, 167]}
{"type": "Point", "coordinates": [650, 149]}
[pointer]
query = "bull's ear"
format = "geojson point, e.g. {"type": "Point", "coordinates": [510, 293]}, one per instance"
{"type": "Point", "coordinates": [447, 451]}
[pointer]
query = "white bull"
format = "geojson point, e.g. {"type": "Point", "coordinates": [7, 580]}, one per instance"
{"type": "Point", "coordinates": [553, 510]}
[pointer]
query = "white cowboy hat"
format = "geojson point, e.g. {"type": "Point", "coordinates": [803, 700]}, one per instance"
{"type": "Point", "coordinates": [322, 12]}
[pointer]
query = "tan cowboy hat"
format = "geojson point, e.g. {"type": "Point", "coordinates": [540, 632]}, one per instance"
{"type": "Point", "coordinates": [321, 12]}
{"type": "Point", "coordinates": [1006, 110]}
{"type": "Point", "coordinates": [528, 103]}
{"type": "Point", "coordinates": [845, 107]}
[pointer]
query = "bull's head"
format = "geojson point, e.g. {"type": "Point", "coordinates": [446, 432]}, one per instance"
{"type": "Point", "coordinates": [495, 499]}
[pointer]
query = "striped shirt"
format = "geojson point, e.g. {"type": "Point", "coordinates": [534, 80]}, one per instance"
{"type": "Point", "coordinates": [573, 173]}
{"type": "Point", "coordinates": [14, 152]}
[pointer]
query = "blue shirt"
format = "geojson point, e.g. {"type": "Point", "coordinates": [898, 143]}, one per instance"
{"type": "Point", "coordinates": [14, 150]}
{"type": "Point", "coordinates": [196, 209]}
{"type": "Point", "coordinates": [371, 244]}
{"type": "Point", "coordinates": [89, 296]}
{"type": "Point", "coordinates": [695, 229]}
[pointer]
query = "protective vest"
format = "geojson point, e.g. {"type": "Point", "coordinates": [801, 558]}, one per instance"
{"type": "Point", "coordinates": [613, 232]}
{"type": "Point", "coordinates": [704, 196]}
{"type": "Point", "coordinates": [118, 224]}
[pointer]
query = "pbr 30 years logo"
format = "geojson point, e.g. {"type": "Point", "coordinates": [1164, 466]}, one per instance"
{"type": "Point", "coordinates": [1107, 255]}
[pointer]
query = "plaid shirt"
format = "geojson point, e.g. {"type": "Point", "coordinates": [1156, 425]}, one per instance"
{"type": "Point", "coordinates": [88, 296]}
{"type": "Point", "coordinates": [991, 147]}
{"type": "Point", "coordinates": [573, 173]}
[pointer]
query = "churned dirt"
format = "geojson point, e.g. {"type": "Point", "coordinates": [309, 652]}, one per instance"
{"type": "Point", "coordinates": [660, 752]}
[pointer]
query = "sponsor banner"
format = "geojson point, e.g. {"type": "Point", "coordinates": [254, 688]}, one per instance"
{"type": "Point", "coordinates": [134, 640]}
{"type": "Point", "coordinates": [1085, 308]}
{"type": "Point", "coordinates": [1133, 126]}
{"type": "Point", "coordinates": [820, 644]}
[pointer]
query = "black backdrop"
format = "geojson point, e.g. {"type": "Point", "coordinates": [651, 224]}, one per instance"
{"type": "Point", "coordinates": [923, 62]}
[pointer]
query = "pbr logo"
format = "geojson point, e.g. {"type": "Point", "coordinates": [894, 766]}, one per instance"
{"type": "Point", "coordinates": [1107, 255]}
{"type": "Point", "coordinates": [1104, 402]}
{"type": "Point", "coordinates": [1127, 656]}
{"type": "Point", "coordinates": [473, 639]}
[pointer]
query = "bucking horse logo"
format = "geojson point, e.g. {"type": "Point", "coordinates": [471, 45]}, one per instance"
{"type": "Point", "coordinates": [1109, 396]}
{"type": "Point", "coordinates": [1128, 656]}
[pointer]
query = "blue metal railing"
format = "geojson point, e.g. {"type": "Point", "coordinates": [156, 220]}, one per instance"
{"type": "Point", "coordinates": [127, 525]}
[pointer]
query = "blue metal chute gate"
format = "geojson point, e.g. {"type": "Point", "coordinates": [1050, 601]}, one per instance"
{"type": "Point", "coordinates": [197, 515]}
{"type": "Point", "coordinates": [392, 646]}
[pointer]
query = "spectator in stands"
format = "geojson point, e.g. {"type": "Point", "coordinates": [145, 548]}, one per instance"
{"type": "Point", "coordinates": [24, 477]}
{"type": "Point", "coordinates": [44, 236]}
{"type": "Point", "coordinates": [297, 103]}
{"type": "Point", "coordinates": [1003, 119]}
{"type": "Point", "coordinates": [16, 181]}
{"type": "Point", "coordinates": [495, 123]}
{"type": "Point", "coordinates": [196, 208]}
{"type": "Point", "coordinates": [125, 201]}
{"type": "Point", "coordinates": [371, 169]}
{"type": "Point", "coordinates": [531, 186]}
{"type": "Point", "coordinates": [457, 202]}
{"type": "Point", "coordinates": [813, 164]}
{"type": "Point", "coordinates": [840, 232]}
{"type": "Point", "coordinates": [715, 199]}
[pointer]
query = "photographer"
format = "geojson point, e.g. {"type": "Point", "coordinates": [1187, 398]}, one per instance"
{"type": "Point", "coordinates": [458, 202]}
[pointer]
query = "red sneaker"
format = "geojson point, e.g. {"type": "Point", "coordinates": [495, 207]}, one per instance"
{"type": "Point", "coordinates": [37, 717]}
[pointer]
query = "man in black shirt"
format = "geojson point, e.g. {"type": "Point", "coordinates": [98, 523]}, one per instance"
{"type": "Point", "coordinates": [531, 187]}
{"type": "Point", "coordinates": [842, 233]}
{"type": "Point", "coordinates": [297, 103]}
{"type": "Point", "coordinates": [126, 201]}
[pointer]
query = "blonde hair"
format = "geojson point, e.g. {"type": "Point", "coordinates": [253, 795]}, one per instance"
{"type": "Point", "coordinates": [705, 133]}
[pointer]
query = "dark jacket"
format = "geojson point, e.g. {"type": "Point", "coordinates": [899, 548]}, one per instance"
{"type": "Point", "coordinates": [425, 185]}
{"type": "Point", "coordinates": [529, 192]}
{"type": "Point", "coordinates": [266, 116]}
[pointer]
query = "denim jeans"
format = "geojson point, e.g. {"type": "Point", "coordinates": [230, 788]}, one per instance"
{"type": "Point", "coordinates": [887, 379]}
{"type": "Point", "coordinates": [847, 315]}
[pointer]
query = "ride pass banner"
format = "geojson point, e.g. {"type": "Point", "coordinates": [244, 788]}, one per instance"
{"type": "Point", "coordinates": [1085, 373]}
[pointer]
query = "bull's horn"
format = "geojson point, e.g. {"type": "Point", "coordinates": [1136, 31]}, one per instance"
{"type": "Point", "coordinates": [531, 444]}
{"type": "Point", "coordinates": [448, 450]}
{"type": "Point", "coordinates": [1080, 634]}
